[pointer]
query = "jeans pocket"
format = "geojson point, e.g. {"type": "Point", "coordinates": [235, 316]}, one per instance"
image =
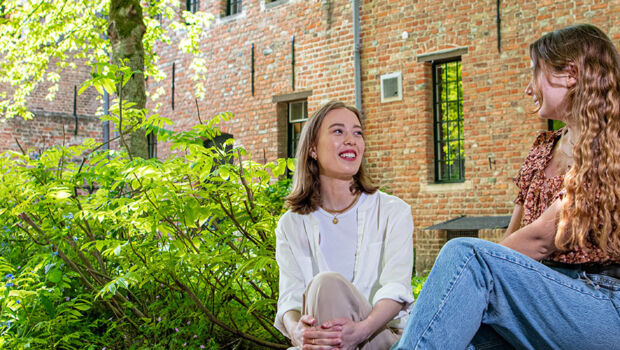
{"type": "Point", "coordinates": [603, 281]}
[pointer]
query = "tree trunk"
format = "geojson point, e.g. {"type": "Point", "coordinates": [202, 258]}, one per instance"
{"type": "Point", "coordinates": [125, 31]}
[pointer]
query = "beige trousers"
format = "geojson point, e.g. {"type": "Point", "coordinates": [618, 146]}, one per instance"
{"type": "Point", "coordinates": [329, 295]}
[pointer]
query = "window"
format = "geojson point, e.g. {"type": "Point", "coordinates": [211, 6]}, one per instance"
{"type": "Point", "coordinates": [151, 140]}
{"type": "Point", "coordinates": [448, 121]}
{"type": "Point", "coordinates": [192, 5]}
{"type": "Point", "coordinates": [233, 7]}
{"type": "Point", "coordinates": [297, 116]}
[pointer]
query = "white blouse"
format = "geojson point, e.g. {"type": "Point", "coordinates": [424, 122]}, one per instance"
{"type": "Point", "coordinates": [383, 258]}
{"type": "Point", "coordinates": [338, 242]}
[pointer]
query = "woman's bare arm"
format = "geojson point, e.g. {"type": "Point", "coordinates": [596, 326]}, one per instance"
{"type": "Point", "coordinates": [515, 220]}
{"type": "Point", "coordinates": [536, 240]}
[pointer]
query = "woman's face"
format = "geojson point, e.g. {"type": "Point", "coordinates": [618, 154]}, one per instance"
{"type": "Point", "coordinates": [553, 87]}
{"type": "Point", "coordinates": [340, 144]}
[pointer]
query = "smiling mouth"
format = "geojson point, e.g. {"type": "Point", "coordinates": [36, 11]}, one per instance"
{"type": "Point", "coordinates": [349, 155]}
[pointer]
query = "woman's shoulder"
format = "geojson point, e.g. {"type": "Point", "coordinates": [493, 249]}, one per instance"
{"type": "Point", "coordinates": [388, 200]}
{"type": "Point", "coordinates": [542, 147]}
{"type": "Point", "coordinates": [290, 217]}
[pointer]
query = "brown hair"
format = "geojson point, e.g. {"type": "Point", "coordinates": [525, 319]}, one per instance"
{"type": "Point", "coordinates": [305, 197]}
{"type": "Point", "coordinates": [590, 208]}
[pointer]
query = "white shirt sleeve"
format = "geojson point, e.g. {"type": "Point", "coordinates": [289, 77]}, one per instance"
{"type": "Point", "coordinates": [397, 260]}
{"type": "Point", "coordinates": [291, 278]}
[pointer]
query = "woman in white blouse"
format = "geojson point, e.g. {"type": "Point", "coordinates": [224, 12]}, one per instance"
{"type": "Point", "coordinates": [344, 249]}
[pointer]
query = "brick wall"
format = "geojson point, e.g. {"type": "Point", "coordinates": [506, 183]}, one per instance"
{"type": "Point", "coordinates": [46, 128]}
{"type": "Point", "coordinates": [498, 128]}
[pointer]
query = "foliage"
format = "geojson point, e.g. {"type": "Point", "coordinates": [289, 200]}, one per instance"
{"type": "Point", "coordinates": [100, 249]}
{"type": "Point", "coordinates": [41, 38]}
{"type": "Point", "coordinates": [417, 282]}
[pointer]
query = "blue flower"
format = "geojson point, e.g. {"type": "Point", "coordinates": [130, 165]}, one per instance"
{"type": "Point", "coordinates": [75, 238]}
{"type": "Point", "coordinates": [8, 323]}
{"type": "Point", "coordinates": [9, 284]}
{"type": "Point", "coordinates": [69, 216]}
{"type": "Point", "coordinates": [9, 276]}
{"type": "Point", "coordinates": [17, 301]}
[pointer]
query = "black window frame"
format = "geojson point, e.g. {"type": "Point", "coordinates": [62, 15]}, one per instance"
{"type": "Point", "coordinates": [192, 6]}
{"type": "Point", "coordinates": [151, 140]}
{"type": "Point", "coordinates": [445, 169]}
{"type": "Point", "coordinates": [291, 140]}
{"type": "Point", "coordinates": [233, 7]}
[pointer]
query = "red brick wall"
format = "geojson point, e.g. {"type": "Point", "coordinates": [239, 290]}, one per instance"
{"type": "Point", "coordinates": [323, 46]}
{"type": "Point", "coordinates": [399, 134]}
{"type": "Point", "coordinates": [496, 125]}
{"type": "Point", "coordinates": [46, 128]}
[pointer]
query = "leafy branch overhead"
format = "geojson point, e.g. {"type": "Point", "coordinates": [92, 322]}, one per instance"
{"type": "Point", "coordinates": [43, 40]}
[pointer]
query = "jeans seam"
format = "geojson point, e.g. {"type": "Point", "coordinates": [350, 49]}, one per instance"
{"type": "Point", "coordinates": [544, 275]}
{"type": "Point", "coordinates": [443, 302]}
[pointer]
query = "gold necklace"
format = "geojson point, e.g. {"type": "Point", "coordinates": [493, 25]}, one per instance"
{"type": "Point", "coordinates": [336, 212]}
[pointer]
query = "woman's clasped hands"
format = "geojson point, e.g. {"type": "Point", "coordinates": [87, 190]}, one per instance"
{"type": "Point", "coordinates": [339, 333]}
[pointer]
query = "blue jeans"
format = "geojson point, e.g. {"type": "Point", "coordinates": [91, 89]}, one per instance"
{"type": "Point", "coordinates": [476, 282]}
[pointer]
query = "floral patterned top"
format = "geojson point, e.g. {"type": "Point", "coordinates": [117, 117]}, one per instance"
{"type": "Point", "coordinates": [537, 192]}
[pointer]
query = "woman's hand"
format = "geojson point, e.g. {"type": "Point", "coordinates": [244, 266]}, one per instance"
{"type": "Point", "coordinates": [351, 333]}
{"type": "Point", "coordinates": [308, 337]}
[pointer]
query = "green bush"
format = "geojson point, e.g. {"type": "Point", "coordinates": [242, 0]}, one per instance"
{"type": "Point", "coordinates": [102, 249]}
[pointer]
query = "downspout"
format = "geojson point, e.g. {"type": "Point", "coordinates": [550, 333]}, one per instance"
{"type": "Point", "coordinates": [356, 55]}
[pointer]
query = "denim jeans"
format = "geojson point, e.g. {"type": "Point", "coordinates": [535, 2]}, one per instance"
{"type": "Point", "coordinates": [476, 282]}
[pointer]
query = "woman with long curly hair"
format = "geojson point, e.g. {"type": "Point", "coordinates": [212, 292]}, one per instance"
{"type": "Point", "coordinates": [344, 248]}
{"type": "Point", "coordinates": [572, 299]}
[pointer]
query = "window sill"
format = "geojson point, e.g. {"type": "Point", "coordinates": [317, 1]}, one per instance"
{"type": "Point", "coordinates": [270, 5]}
{"type": "Point", "coordinates": [446, 187]}
{"type": "Point", "coordinates": [231, 18]}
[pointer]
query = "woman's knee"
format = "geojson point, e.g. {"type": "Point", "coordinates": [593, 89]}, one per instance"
{"type": "Point", "coordinates": [329, 278]}
{"type": "Point", "coordinates": [459, 246]}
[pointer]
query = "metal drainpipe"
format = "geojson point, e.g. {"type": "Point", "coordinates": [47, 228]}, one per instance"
{"type": "Point", "coordinates": [356, 55]}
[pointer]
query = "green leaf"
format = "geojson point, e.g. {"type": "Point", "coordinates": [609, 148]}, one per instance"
{"type": "Point", "coordinates": [54, 276]}
{"type": "Point", "coordinates": [290, 164]}
{"type": "Point", "coordinates": [49, 307]}
{"type": "Point", "coordinates": [82, 307]}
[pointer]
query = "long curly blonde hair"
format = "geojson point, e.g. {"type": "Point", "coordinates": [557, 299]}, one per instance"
{"type": "Point", "coordinates": [591, 206]}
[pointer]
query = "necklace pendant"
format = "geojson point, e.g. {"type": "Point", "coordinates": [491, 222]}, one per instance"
{"type": "Point", "coordinates": [335, 220]}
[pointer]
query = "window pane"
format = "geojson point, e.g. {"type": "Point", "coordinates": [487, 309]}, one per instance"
{"type": "Point", "coordinates": [297, 116]}
{"type": "Point", "coordinates": [448, 107]}
{"type": "Point", "coordinates": [233, 7]}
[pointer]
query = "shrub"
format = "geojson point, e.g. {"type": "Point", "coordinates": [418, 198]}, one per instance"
{"type": "Point", "coordinates": [102, 249]}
